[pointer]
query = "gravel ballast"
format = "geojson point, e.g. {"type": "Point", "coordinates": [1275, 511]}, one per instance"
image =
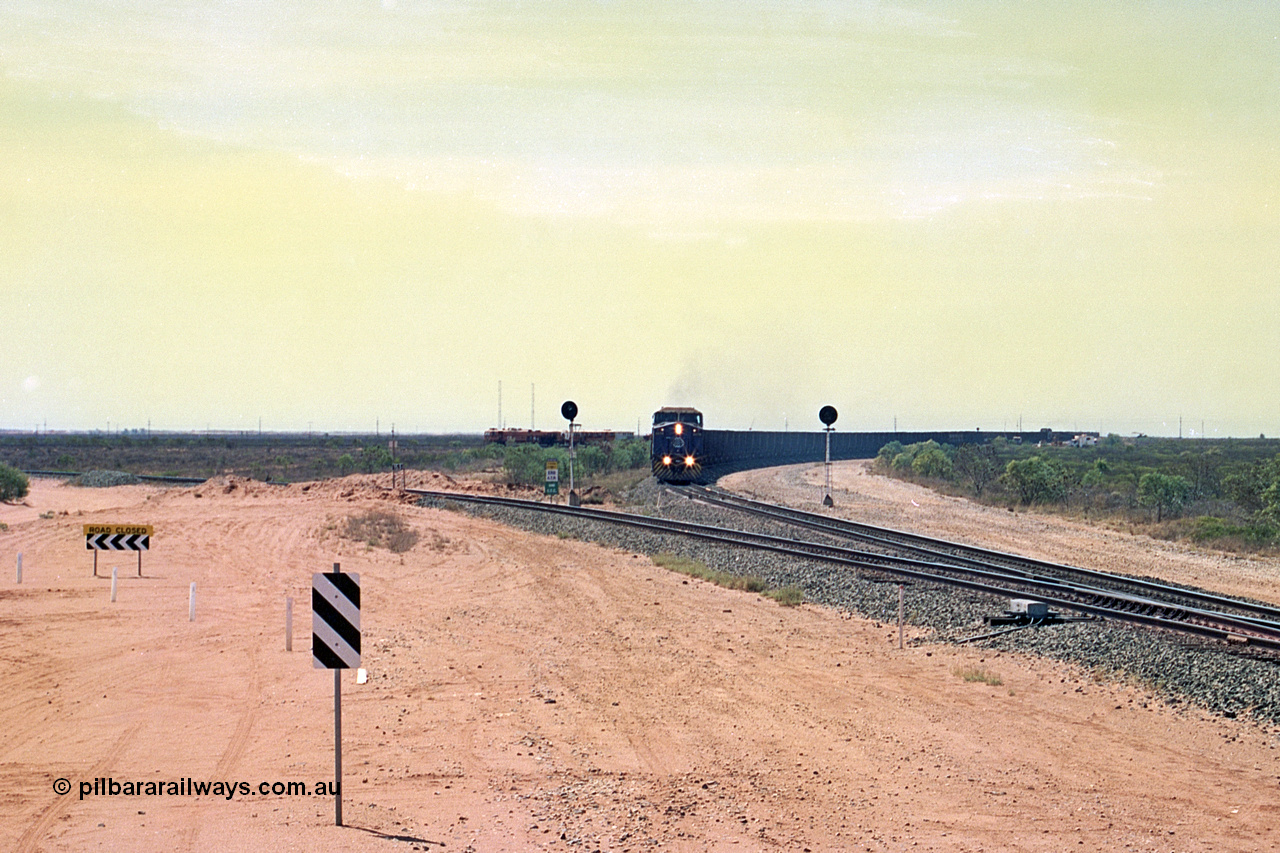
{"type": "Point", "coordinates": [1225, 679]}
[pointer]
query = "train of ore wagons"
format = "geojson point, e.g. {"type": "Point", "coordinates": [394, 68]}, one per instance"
{"type": "Point", "coordinates": [683, 451]}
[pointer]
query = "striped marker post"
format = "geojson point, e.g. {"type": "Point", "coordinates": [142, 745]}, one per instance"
{"type": "Point", "coordinates": [335, 645]}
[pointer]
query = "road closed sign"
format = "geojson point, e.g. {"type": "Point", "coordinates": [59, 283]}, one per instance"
{"type": "Point", "coordinates": [118, 537]}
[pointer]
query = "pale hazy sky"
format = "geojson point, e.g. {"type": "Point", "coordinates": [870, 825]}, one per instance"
{"type": "Point", "coordinates": [330, 214]}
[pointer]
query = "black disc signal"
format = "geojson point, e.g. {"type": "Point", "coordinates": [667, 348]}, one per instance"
{"type": "Point", "coordinates": [827, 414]}
{"type": "Point", "coordinates": [569, 410]}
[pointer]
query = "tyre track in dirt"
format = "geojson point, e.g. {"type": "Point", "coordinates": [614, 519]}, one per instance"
{"type": "Point", "coordinates": [35, 833]}
{"type": "Point", "coordinates": [687, 717]}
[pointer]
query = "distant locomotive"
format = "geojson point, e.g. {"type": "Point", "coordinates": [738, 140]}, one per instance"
{"type": "Point", "coordinates": [676, 453]}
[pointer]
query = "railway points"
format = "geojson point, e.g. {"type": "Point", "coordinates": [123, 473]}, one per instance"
{"type": "Point", "coordinates": [1104, 597]}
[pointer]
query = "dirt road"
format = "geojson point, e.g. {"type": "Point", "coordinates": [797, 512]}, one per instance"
{"type": "Point", "coordinates": [531, 693]}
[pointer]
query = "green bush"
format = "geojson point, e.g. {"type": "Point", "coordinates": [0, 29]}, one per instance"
{"type": "Point", "coordinates": [1208, 528]}
{"type": "Point", "coordinates": [1167, 493]}
{"type": "Point", "coordinates": [699, 569]}
{"type": "Point", "coordinates": [787, 596]}
{"type": "Point", "coordinates": [1037, 479]}
{"type": "Point", "coordinates": [633, 453]}
{"type": "Point", "coordinates": [527, 463]}
{"type": "Point", "coordinates": [14, 484]}
{"type": "Point", "coordinates": [932, 462]}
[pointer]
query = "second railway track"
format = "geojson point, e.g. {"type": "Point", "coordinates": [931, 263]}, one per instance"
{"type": "Point", "coordinates": [930, 548]}
{"type": "Point", "coordinates": [1091, 593]}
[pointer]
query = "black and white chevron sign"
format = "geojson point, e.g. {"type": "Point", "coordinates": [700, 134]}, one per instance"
{"type": "Point", "coordinates": [117, 537]}
{"type": "Point", "coordinates": [335, 620]}
{"type": "Point", "coordinates": [118, 542]}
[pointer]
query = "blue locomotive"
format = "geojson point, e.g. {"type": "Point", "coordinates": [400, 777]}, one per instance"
{"type": "Point", "coordinates": [677, 444]}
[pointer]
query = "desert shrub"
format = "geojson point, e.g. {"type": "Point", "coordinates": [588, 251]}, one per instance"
{"type": "Point", "coordinates": [787, 596]}
{"type": "Point", "coordinates": [14, 484]}
{"type": "Point", "coordinates": [374, 459]}
{"type": "Point", "coordinates": [1167, 493]}
{"type": "Point", "coordinates": [932, 462]}
{"type": "Point", "coordinates": [633, 453]}
{"type": "Point", "coordinates": [588, 460]}
{"type": "Point", "coordinates": [1037, 479]}
{"type": "Point", "coordinates": [699, 569]}
{"type": "Point", "coordinates": [1221, 532]}
{"type": "Point", "coordinates": [527, 464]}
{"type": "Point", "coordinates": [381, 529]}
{"type": "Point", "coordinates": [978, 674]}
{"type": "Point", "coordinates": [976, 465]}
{"type": "Point", "coordinates": [887, 454]}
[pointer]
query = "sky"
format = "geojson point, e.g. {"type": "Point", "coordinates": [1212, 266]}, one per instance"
{"type": "Point", "coordinates": [339, 215]}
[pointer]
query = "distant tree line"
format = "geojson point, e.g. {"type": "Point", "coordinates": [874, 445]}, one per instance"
{"type": "Point", "coordinates": [527, 463]}
{"type": "Point", "coordinates": [1221, 490]}
{"type": "Point", "coordinates": [294, 458]}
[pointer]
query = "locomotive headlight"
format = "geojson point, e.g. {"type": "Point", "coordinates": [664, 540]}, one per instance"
{"type": "Point", "coordinates": [688, 461]}
{"type": "Point", "coordinates": [666, 460]}
{"type": "Point", "coordinates": [679, 429]}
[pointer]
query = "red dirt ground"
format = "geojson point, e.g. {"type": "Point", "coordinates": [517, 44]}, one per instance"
{"type": "Point", "coordinates": [527, 692]}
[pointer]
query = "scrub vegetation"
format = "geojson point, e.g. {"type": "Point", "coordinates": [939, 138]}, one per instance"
{"type": "Point", "coordinates": [13, 484]}
{"type": "Point", "coordinates": [976, 674]}
{"type": "Point", "coordinates": [787, 596]}
{"type": "Point", "coordinates": [381, 529]}
{"type": "Point", "coordinates": [284, 458]}
{"type": "Point", "coordinates": [527, 463]}
{"type": "Point", "coordinates": [1225, 492]}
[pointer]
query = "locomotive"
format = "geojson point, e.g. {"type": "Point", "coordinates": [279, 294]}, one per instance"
{"type": "Point", "coordinates": [676, 453]}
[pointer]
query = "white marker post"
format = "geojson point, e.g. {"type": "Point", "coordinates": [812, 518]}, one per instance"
{"type": "Point", "coordinates": [191, 603]}
{"type": "Point", "coordinates": [114, 578]}
{"type": "Point", "coordinates": [19, 568]}
{"type": "Point", "coordinates": [288, 623]}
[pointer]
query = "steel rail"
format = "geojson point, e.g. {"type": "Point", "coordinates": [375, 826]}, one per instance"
{"type": "Point", "coordinates": [969, 554]}
{"type": "Point", "coordinates": [1096, 602]}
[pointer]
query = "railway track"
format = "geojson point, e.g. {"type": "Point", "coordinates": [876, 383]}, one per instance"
{"type": "Point", "coordinates": [930, 548]}
{"type": "Point", "coordinates": [969, 574]}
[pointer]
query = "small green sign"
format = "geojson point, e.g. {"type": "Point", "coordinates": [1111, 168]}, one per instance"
{"type": "Point", "coordinates": [553, 488]}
